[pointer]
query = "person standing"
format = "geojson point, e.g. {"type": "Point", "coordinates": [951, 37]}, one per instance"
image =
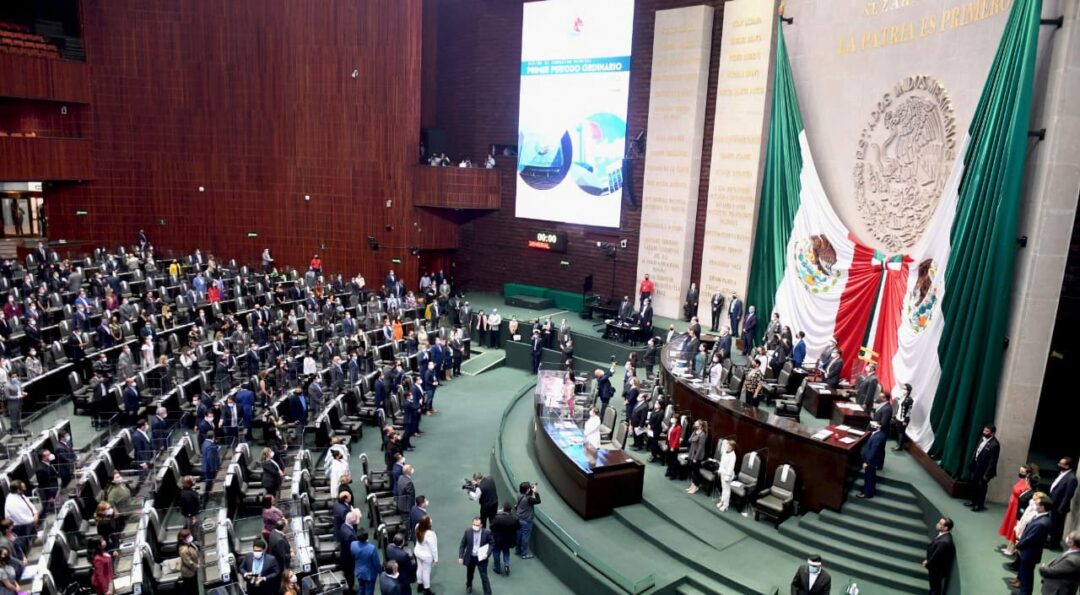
{"type": "Point", "coordinates": [1030, 546]}
{"type": "Point", "coordinates": [390, 581]}
{"type": "Point", "coordinates": [345, 538]}
{"type": "Point", "coordinates": [473, 551]}
{"type": "Point", "coordinates": [504, 529]}
{"type": "Point", "coordinates": [15, 395]}
{"type": "Point", "coordinates": [102, 575]}
{"type": "Point", "coordinates": [426, 552]}
{"type": "Point", "coordinates": [749, 330]}
{"type": "Point", "coordinates": [726, 472]}
{"type": "Point", "coordinates": [984, 467]}
{"type": "Point", "coordinates": [696, 452]}
{"type": "Point", "coordinates": [406, 568]}
{"type": "Point", "coordinates": [645, 290]}
{"type": "Point", "coordinates": [717, 303]}
{"type": "Point", "coordinates": [537, 350]}
{"type": "Point", "coordinates": [1061, 495]}
{"type": "Point", "coordinates": [903, 417]}
{"type": "Point", "coordinates": [592, 429]}
{"type": "Point", "coordinates": [1062, 575]}
{"type": "Point", "coordinates": [866, 389]}
{"type": "Point", "coordinates": [940, 554]}
{"type": "Point", "coordinates": [811, 578]}
{"type": "Point", "coordinates": [366, 563]}
{"type": "Point", "coordinates": [690, 306]}
{"type": "Point", "coordinates": [604, 390]}
{"type": "Point", "coordinates": [735, 308]}
{"type": "Point", "coordinates": [495, 328]}
{"type": "Point", "coordinates": [674, 440]}
{"type": "Point", "coordinates": [488, 498]}
{"type": "Point", "coordinates": [189, 561]}
{"type": "Point", "coordinates": [528, 498]}
{"type": "Point", "coordinates": [873, 460]}
{"type": "Point", "coordinates": [261, 570]}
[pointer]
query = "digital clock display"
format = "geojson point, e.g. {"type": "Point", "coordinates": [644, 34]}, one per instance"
{"type": "Point", "coordinates": [548, 240]}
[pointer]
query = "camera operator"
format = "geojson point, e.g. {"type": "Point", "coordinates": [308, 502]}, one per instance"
{"type": "Point", "coordinates": [487, 495]}
{"type": "Point", "coordinates": [528, 497]}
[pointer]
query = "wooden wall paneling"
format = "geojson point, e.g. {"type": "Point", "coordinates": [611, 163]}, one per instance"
{"type": "Point", "coordinates": [25, 159]}
{"type": "Point", "coordinates": [43, 78]}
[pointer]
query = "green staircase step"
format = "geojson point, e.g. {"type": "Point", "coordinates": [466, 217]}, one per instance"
{"type": "Point", "coordinates": [855, 538]}
{"type": "Point", "coordinates": [686, 547]}
{"type": "Point", "coordinates": [482, 362]}
{"type": "Point", "coordinates": [891, 492]}
{"type": "Point", "coordinates": [881, 532]}
{"type": "Point", "coordinates": [882, 515]}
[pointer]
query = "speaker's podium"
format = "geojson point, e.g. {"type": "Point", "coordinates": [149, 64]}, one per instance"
{"type": "Point", "coordinates": [592, 480]}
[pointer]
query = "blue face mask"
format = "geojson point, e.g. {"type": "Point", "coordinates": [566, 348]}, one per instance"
{"type": "Point", "coordinates": [814, 569]}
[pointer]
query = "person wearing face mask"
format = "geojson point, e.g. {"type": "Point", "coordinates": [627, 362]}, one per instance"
{"type": "Point", "coordinates": [984, 467]}
{"type": "Point", "coordinates": [811, 578]}
{"type": "Point", "coordinates": [101, 562]}
{"type": "Point", "coordinates": [426, 552]}
{"type": "Point", "coordinates": [476, 546]}
{"type": "Point", "coordinates": [726, 472]}
{"type": "Point", "coordinates": [290, 585]}
{"type": "Point", "coordinates": [939, 556]}
{"type": "Point", "coordinates": [260, 570]}
{"type": "Point", "coordinates": [48, 477]}
{"type": "Point", "coordinates": [189, 561]}
{"type": "Point", "coordinates": [211, 461]}
{"type": "Point", "coordinates": [107, 525]}
{"type": "Point", "coordinates": [1062, 491]}
{"type": "Point", "coordinates": [696, 453]}
{"type": "Point", "coordinates": [278, 544]}
{"type": "Point", "coordinates": [1013, 511]}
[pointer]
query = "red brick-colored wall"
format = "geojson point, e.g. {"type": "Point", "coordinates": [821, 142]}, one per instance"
{"type": "Point", "coordinates": [255, 102]}
{"type": "Point", "coordinates": [478, 74]}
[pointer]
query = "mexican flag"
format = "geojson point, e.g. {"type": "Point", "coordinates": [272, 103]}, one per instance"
{"type": "Point", "coordinates": [806, 264]}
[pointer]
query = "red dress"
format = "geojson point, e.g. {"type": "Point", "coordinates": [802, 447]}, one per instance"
{"type": "Point", "coordinates": [1008, 524]}
{"type": "Point", "coordinates": [102, 577]}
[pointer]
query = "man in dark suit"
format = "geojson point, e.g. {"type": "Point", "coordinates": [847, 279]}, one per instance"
{"type": "Point", "coordinates": [411, 413]}
{"type": "Point", "coordinates": [48, 476]}
{"type": "Point", "coordinates": [537, 350]}
{"type": "Point", "coordinates": [405, 490]}
{"type": "Point", "coordinates": [626, 308]}
{"type": "Point", "coordinates": [983, 467]}
{"type": "Point", "coordinates": [345, 537]}
{"type": "Point", "coordinates": [717, 304]}
{"type": "Point", "coordinates": [811, 578]}
{"type": "Point", "coordinates": [390, 580]}
{"type": "Point", "coordinates": [251, 359]}
{"type": "Point", "coordinates": [159, 429]}
{"type": "Point", "coordinates": [337, 376]}
{"type": "Point", "coordinates": [647, 318]}
{"type": "Point", "coordinates": [694, 328]}
{"type": "Point", "coordinates": [873, 460]}
{"type": "Point", "coordinates": [833, 369]}
{"type": "Point", "coordinates": [1062, 575]}
{"type": "Point", "coordinates": [476, 547]}
{"type": "Point", "coordinates": [260, 570]}
{"type": "Point", "coordinates": [131, 400]}
{"type": "Point", "coordinates": [604, 390]}
{"type": "Point", "coordinates": [406, 567]}
{"type": "Point", "coordinates": [489, 497]}
{"type": "Point", "coordinates": [867, 388]}
{"type": "Point", "coordinates": [298, 410]}
{"type": "Point", "coordinates": [211, 461]}
{"type": "Point", "coordinates": [1030, 545]}
{"type": "Point", "coordinates": [884, 413]}
{"type": "Point", "coordinates": [144, 451]}
{"type": "Point", "coordinates": [366, 563]}
{"type": "Point", "coordinates": [735, 309]}
{"type": "Point", "coordinates": [380, 392]}
{"type": "Point", "coordinates": [939, 557]}
{"type": "Point", "coordinates": [278, 544]}
{"type": "Point", "coordinates": [749, 331]}
{"type": "Point", "coordinates": [690, 306]}
{"type": "Point", "coordinates": [342, 508]}
{"type": "Point", "coordinates": [418, 511]}
{"type": "Point", "coordinates": [1061, 494]}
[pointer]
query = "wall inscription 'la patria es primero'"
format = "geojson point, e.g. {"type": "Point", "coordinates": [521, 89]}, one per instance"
{"type": "Point", "coordinates": [904, 156]}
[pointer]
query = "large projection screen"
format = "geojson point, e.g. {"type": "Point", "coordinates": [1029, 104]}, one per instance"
{"type": "Point", "coordinates": [575, 74]}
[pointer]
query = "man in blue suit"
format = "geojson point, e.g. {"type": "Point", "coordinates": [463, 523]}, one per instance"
{"type": "Point", "coordinates": [131, 400]}
{"type": "Point", "coordinates": [1031, 543]}
{"type": "Point", "coordinates": [366, 563]}
{"type": "Point", "coordinates": [390, 580]}
{"type": "Point", "coordinates": [144, 451]}
{"type": "Point", "coordinates": [438, 355]}
{"type": "Point", "coordinates": [406, 568]}
{"type": "Point", "coordinates": [873, 460]}
{"type": "Point", "coordinates": [430, 377]}
{"type": "Point", "coordinates": [315, 397]}
{"type": "Point", "coordinates": [418, 511]}
{"type": "Point", "coordinates": [354, 369]}
{"type": "Point", "coordinates": [245, 398]}
{"type": "Point", "coordinates": [251, 360]}
{"type": "Point", "coordinates": [211, 461]}
{"type": "Point", "coordinates": [734, 313]}
{"type": "Point", "coordinates": [342, 508]}
{"type": "Point", "coordinates": [345, 537]}
{"type": "Point", "coordinates": [260, 570]}
{"type": "Point", "coordinates": [749, 331]}
{"type": "Point", "coordinates": [298, 410]}
{"type": "Point", "coordinates": [348, 325]}
{"type": "Point", "coordinates": [798, 353]}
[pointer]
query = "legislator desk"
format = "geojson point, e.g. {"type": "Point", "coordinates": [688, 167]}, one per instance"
{"type": "Point", "coordinates": [593, 481]}
{"type": "Point", "coordinates": [819, 399]}
{"type": "Point", "coordinates": [826, 467]}
{"type": "Point", "coordinates": [850, 414]}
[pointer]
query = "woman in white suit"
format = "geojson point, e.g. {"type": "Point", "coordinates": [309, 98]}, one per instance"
{"type": "Point", "coordinates": [426, 552]}
{"type": "Point", "coordinates": [726, 473]}
{"type": "Point", "coordinates": [592, 429]}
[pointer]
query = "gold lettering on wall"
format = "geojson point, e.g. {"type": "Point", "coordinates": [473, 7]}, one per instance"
{"type": "Point", "coordinates": [906, 30]}
{"type": "Point", "coordinates": [677, 100]}
{"type": "Point", "coordinates": [737, 147]}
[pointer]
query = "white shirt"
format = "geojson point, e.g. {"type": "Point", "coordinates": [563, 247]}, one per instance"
{"type": "Point", "coordinates": [592, 431]}
{"type": "Point", "coordinates": [982, 445]}
{"type": "Point", "coordinates": [18, 509]}
{"type": "Point", "coordinates": [309, 366]}
{"type": "Point", "coordinates": [813, 578]}
{"type": "Point", "coordinates": [335, 470]}
{"type": "Point", "coordinates": [727, 466]}
{"type": "Point", "coordinates": [1060, 477]}
{"type": "Point", "coordinates": [428, 549]}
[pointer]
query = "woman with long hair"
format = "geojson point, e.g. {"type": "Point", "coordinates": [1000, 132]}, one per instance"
{"type": "Point", "coordinates": [696, 454]}
{"type": "Point", "coordinates": [101, 562]}
{"type": "Point", "coordinates": [426, 552]}
{"type": "Point", "coordinates": [290, 585]}
{"type": "Point", "coordinates": [189, 561]}
{"type": "Point", "coordinates": [107, 525]}
{"type": "Point", "coordinates": [270, 515]}
{"type": "Point", "coordinates": [726, 473]}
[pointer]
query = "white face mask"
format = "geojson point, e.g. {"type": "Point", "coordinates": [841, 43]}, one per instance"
{"type": "Point", "coordinates": [189, 539]}
{"type": "Point", "coordinates": [258, 555]}
{"type": "Point", "coordinates": [475, 528]}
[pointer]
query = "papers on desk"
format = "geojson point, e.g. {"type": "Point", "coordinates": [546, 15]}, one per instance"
{"type": "Point", "coordinates": [849, 406]}
{"type": "Point", "coordinates": [850, 430]}
{"type": "Point", "coordinates": [848, 440]}
{"type": "Point", "coordinates": [29, 572]}
{"type": "Point", "coordinates": [565, 425]}
{"type": "Point", "coordinates": [821, 434]}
